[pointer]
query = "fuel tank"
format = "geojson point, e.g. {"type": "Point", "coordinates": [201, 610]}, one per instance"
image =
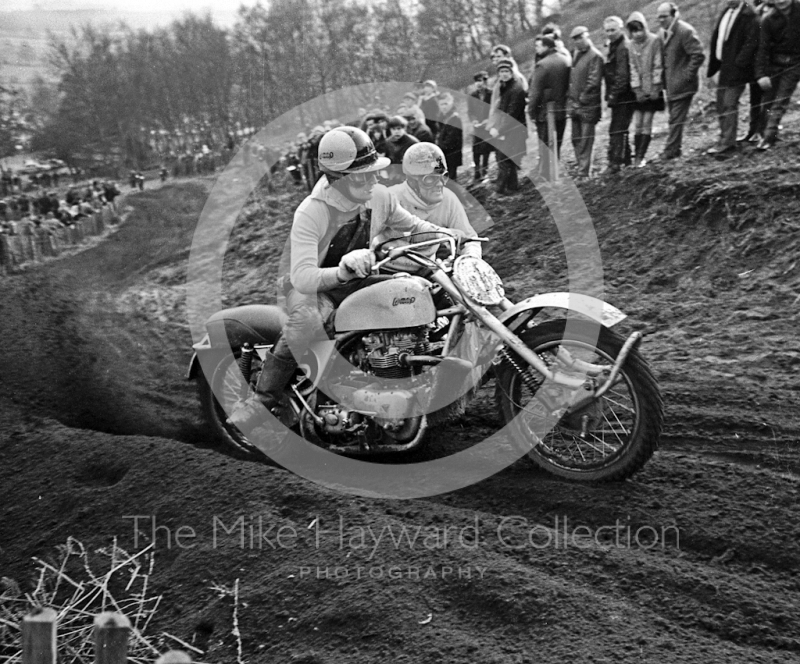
{"type": "Point", "coordinates": [404, 301]}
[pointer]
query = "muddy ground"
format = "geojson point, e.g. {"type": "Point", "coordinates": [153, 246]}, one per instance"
{"type": "Point", "coordinates": [98, 424]}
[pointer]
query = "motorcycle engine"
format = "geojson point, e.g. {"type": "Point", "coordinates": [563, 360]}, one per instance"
{"type": "Point", "coordinates": [381, 351]}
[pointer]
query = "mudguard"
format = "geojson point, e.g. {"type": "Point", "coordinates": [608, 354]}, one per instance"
{"type": "Point", "coordinates": [586, 305]}
{"type": "Point", "coordinates": [230, 328]}
{"type": "Point", "coordinates": [254, 323]}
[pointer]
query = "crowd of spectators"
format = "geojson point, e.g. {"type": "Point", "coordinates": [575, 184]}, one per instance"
{"type": "Point", "coordinates": [642, 72]}
{"type": "Point", "coordinates": [36, 205]}
{"type": "Point", "coordinates": [644, 68]}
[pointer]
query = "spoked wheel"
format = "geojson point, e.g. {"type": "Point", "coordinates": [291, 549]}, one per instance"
{"type": "Point", "coordinates": [610, 439]}
{"type": "Point", "coordinates": [227, 382]}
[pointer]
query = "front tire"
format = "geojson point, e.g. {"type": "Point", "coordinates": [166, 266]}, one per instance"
{"type": "Point", "coordinates": [624, 425]}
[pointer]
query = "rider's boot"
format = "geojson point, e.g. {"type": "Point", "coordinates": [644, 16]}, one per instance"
{"type": "Point", "coordinates": [275, 374]}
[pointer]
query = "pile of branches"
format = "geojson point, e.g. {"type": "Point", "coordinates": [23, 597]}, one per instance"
{"type": "Point", "coordinates": [115, 581]}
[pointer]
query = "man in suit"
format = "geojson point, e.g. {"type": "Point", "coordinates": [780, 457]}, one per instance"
{"type": "Point", "coordinates": [683, 57]}
{"type": "Point", "coordinates": [732, 55]}
{"type": "Point", "coordinates": [549, 83]}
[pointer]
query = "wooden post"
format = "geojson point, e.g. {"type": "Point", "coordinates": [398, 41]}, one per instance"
{"type": "Point", "coordinates": [553, 136]}
{"type": "Point", "coordinates": [111, 638]}
{"type": "Point", "coordinates": [174, 657]}
{"type": "Point", "coordinates": [39, 637]}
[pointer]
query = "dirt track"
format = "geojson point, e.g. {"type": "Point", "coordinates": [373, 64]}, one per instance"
{"type": "Point", "coordinates": [98, 425]}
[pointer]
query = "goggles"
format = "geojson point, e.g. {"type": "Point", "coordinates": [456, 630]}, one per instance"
{"type": "Point", "coordinates": [434, 179]}
{"type": "Point", "coordinates": [362, 179]}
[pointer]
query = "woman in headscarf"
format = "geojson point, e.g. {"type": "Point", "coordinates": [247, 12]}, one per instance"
{"type": "Point", "coordinates": [647, 81]}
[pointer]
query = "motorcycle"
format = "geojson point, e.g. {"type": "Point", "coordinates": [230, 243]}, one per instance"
{"type": "Point", "coordinates": [411, 350]}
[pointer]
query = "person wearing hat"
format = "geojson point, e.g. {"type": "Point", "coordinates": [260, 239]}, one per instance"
{"type": "Point", "coordinates": [549, 84]}
{"type": "Point", "coordinates": [503, 52]}
{"type": "Point", "coordinates": [416, 125]}
{"type": "Point", "coordinates": [478, 105]}
{"type": "Point", "coordinates": [619, 94]}
{"type": "Point", "coordinates": [553, 31]}
{"type": "Point", "coordinates": [329, 256]}
{"type": "Point", "coordinates": [509, 132]}
{"type": "Point", "coordinates": [584, 97]}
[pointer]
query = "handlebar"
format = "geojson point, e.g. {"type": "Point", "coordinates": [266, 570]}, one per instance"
{"type": "Point", "coordinates": [411, 250]}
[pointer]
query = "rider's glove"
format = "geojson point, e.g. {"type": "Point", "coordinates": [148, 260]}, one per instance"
{"type": "Point", "coordinates": [357, 263]}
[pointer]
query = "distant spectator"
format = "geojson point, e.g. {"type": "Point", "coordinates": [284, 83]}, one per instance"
{"type": "Point", "coordinates": [509, 131]}
{"type": "Point", "coordinates": [584, 98]}
{"type": "Point", "coordinates": [378, 130]}
{"type": "Point", "coordinates": [647, 82]}
{"type": "Point", "coordinates": [24, 204]}
{"type": "Point", "coordinates": [502, 52]}
{"type": "Point", "coordinates": [732, 53]}
{"type": "Point", "coordinates": [554, 31]}
{"type": "Point", "coordinates": [478, 112]}
{"type": "Point", "coordinates": [416, 125]}
{"type": "Point", "coordinates": [409, 99]}
{"type": "Point", "coordinates": [683, 57]}
{"type": "Point", "coordinates": [549, 84]}
{"type": "Point", "coordinates": [451, 134]}
{"type": "Point", "coordinates": [111, 191]}
{"type": "Point", "coordinates": [619, 94]}
{"type": "Point", "coordinates": [429, 105]}
{"type": "Point", "coordinates": [54, 203]}
{"type": "Point", "coordinates": [396, 145]}
{"type": "Point", "coordinates": [778, 63]}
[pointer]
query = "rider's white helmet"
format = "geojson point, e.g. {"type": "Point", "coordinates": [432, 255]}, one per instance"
{"type": "Point", "coordinates": [346, 150]}
{"type": "Point", "coordinates": [424, 159]}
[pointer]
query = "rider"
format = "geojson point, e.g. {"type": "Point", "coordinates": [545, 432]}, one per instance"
{"type": "Point", "coordinates": [424, 194]}
{"type": "Point", "coordinates": [330, 255]}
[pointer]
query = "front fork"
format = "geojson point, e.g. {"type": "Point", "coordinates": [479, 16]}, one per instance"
{"type": "Point", "coordinates": [584, 396]}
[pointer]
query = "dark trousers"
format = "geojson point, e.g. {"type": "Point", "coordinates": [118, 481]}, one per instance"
{"type": "Point", "coordinates": [777, 98]}
{"type": "Point", "coordinates": [758, 115]}
{"type": "Point", "coordinates": [678, 115]}
{"type": "Point", "coordinates": [546, 167]}
{"type": "Point", "coordinates": [507, 179]}
{"type": "Point", "coordinates": [728, 113]}
{"type": "Point", "coordinates": [583, 134]}
{"type": "Point", "coordinates": [619, 145]}
{"type": "Point", "coordinates": [480, 155]}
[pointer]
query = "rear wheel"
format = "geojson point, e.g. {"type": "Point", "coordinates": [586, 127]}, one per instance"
{"type": "Point", "coordinates": [610, 439]}
{"type": "Point", "coordinates": [227, 382]}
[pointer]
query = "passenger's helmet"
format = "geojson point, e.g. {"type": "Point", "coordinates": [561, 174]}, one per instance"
{"type": "Point", "coordinates": [346, 150]}
{"type": "Point", "coordinates": [423, 159]}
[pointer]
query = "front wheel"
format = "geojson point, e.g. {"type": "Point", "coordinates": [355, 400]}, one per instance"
{"type": "Point", "coordinates": [611, 438]}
